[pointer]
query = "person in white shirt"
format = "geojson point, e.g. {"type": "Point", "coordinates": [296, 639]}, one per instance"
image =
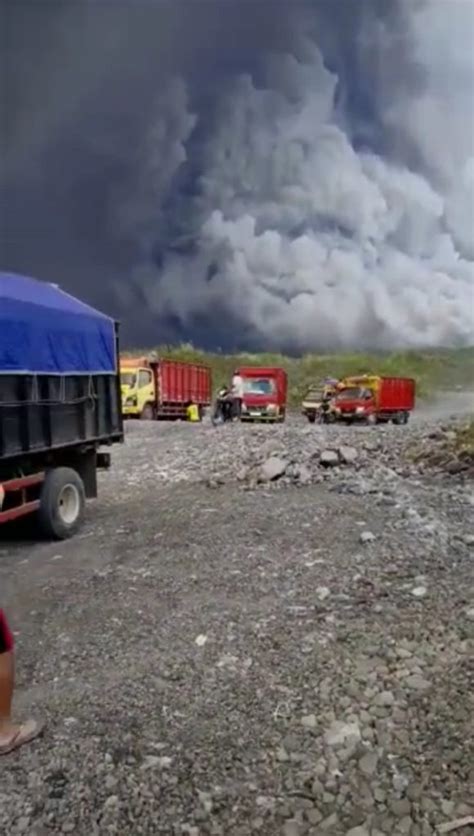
{"type": "Point", "coordinates": [237, 394]}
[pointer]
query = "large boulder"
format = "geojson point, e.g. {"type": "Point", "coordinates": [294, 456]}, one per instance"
{"type": "Point", "coordinates": [271, 470]}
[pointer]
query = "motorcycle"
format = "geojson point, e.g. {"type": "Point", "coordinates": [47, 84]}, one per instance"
{"type": "Point", "coordinates": [325, 413]}
{"type": "Point", "coordinates": [223, 409]}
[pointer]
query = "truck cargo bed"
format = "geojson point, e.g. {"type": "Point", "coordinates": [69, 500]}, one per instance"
{"type": "Point", "coordinates": [396, 394]}
{"type": "Point", "coordinates": [178, 382]}
{"type": "Point", "coordinates": [41, 413]}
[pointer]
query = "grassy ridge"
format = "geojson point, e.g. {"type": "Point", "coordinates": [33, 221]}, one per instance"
{"type": "Point", "coordinates": [431, 369]}
{"type": "Point", "coordinates": [465, 439]}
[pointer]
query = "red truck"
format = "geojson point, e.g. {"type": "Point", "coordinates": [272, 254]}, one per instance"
{"type": "Point", "coordinates": [265, 393]}
{"type": "Point", "coordinates": [156, 388]}
{"type": "Point", "coordinates": [374, 399]}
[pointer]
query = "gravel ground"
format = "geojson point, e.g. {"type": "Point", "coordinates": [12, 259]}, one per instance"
{"type": "Point", "coordinates": [244, 640]}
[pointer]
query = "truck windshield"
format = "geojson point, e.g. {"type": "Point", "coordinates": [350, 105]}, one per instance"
{"type": "Point", "coordinates": [259, 386]}
{"type": "Point", "coordinates": [128, 379]}
{"type": "Point", "coordinates": [353, 394]}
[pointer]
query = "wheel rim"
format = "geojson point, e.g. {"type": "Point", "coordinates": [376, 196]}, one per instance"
{"type": "Point", "coordinates": [69, 504]}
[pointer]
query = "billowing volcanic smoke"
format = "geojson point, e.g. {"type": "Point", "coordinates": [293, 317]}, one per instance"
{"type": "Point", "coordinates": [279, 174]}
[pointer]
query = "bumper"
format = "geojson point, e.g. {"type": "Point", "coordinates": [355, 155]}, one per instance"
{"type": "Point", "coordinates": [257, 414]}
{"type": "Point", "coordinates": [267, 419]}
{"type": "Point", "coordinates": [351, 416]}
{"type": "Point", "coordinates": [130, 411]}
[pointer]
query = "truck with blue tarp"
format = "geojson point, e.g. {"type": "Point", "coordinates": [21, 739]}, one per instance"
{"type": "Point", "coordinates": [60, 402]}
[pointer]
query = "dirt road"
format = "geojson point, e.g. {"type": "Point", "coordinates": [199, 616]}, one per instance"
{"type": "Point", "coordinates": [445, 405]}
{"type": "Point", "coordinates": [219, 655]}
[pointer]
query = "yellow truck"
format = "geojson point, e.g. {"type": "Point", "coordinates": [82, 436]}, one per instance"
{"type": "Point", "coordinates": [161, 388]}
{"type": "Point", "coordinates": [137, 388]}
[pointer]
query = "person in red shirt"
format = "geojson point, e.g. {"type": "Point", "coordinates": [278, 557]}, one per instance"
{"type": "Point", "coordinates": [12, 735]}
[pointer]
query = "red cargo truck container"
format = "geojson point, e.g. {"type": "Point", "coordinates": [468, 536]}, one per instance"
{"type": "Point", "coordinates": [177, 383]}
{"type": "Point", "coordinates": [154, 388]}
{"type": "Point", "coordinates": [265, 393]}
{"type": "Point", "coordinates": [375, 399]}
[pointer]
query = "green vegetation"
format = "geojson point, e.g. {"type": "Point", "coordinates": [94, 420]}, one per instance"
{"type": "Point", "coordinates": [465, 440]}
{"type": "Point", "coordinates": [431, 369]}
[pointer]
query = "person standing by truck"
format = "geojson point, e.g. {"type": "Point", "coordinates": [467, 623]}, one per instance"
{"type": "Point", "coordinates": [192, 412]}
{"type": "Point", "coordinates": [12, 735]}
{"type": "Point", "coordinates": [237, 393]}
{"type": "Point", "coordinates": [325, 408]}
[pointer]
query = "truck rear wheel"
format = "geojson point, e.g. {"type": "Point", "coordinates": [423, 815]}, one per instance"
{"type": "Point", "coordinates": [62, 503]}
{"type": "Point", "coordinates": [147, 413]}
{"type": "Point", "coordinates": [311, 416]}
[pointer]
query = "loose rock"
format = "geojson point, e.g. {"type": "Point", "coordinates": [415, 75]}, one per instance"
{"type": "Point", "coordinates": [417, 683]}
{"type": "Point", "coordinates": [272, 469]}
{"type": "Point", "coordinates": [309, 721]}
{"type": "Point", "coordinates": [340, 733]}
{"type": "Point", "coordinates": [368, 763]}
{"type": "Point", "coordinates": [329, 458]}
{"type": "Point", "coordinates": [348, 455]}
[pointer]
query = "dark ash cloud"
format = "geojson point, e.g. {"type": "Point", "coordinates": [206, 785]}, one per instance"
{"type": "Point", "coordinates": [277, 174]}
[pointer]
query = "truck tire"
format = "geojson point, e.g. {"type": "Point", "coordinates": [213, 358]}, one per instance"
{"type": "Point", "coordinates": [311, 417]}
{"type": "Point", "coordinates": [62, 503]}
{"type": "Point", "coordinates": [399, 418]}
{"type": "Point", "coordinates": [147, 413]}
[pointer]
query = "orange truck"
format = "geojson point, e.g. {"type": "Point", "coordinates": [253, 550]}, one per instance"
{"type": "Point", "coordinates": [155, 389]}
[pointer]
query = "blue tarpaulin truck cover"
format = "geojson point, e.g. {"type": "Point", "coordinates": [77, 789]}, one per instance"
{"type": "Point", "coordinates": [43, 330]}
